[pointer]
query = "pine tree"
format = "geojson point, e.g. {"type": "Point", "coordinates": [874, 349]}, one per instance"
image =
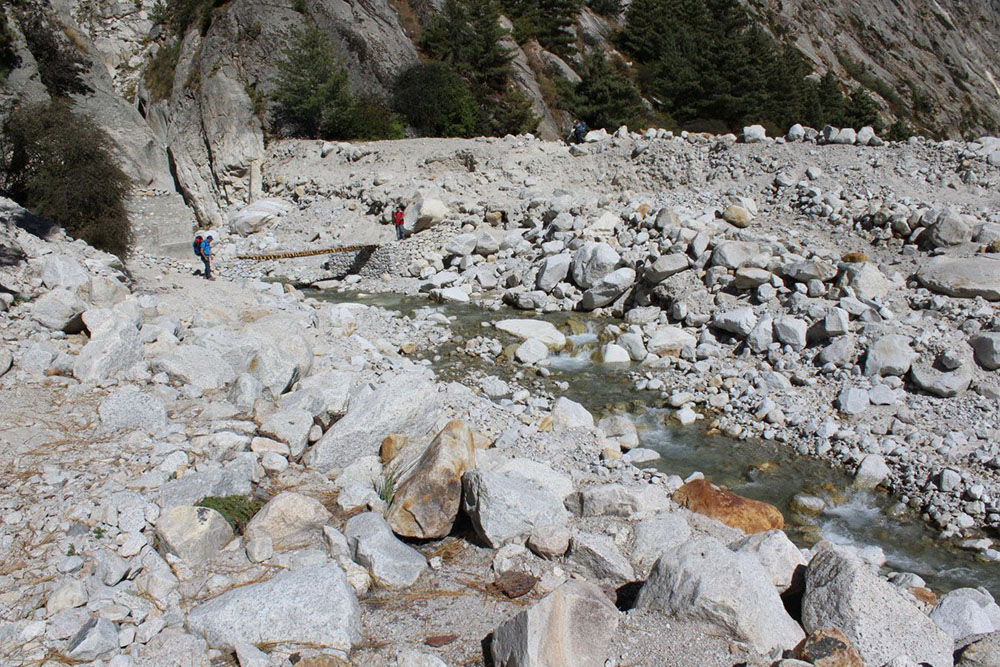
{"type": "Point", "coordinates": [605, 97]}
{"type": "Point", "coordinates": [831, 100]}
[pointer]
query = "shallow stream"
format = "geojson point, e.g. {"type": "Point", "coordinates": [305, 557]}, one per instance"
{"type": "Point", "coordinates": [757, 469]}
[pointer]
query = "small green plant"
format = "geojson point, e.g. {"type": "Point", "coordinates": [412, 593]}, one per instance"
{"type": "Point", "coordinates": [98, 532]}
{"type": "Point", "coordinates": [299, 6]}
{"type": "Point", "coordinates": [237, 510]}
{"type": "Point", "coordinates": [159, 74]}
{"type": "Point", "coordinates": [71, 550]}
{"type": "Point", "coordinates": [387, 485]}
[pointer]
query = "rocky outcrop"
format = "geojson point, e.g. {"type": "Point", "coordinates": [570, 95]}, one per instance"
{"type": "Point", "coordinates": [750, 516]}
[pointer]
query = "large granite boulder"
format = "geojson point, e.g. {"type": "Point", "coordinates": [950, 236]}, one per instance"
{"type": "Point", "coordinates": [750, 516]}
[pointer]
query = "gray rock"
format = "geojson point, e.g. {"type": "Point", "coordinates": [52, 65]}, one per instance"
{"type": "Point", "coordinates": [61, 272]}
{"type": "Point", "coordinates": [392, 564]}
{"type": "Point", "coordinates": [945, 384]}
{"type": "Point", "coordinates": [703, 580]}
{"type": "Point", "coordinates": [965, 277]}
{"type": "Point", "coordinates": [966, 611]}
{"type": "Point", "coordinates": [505, 507]}
{"type": "Point", "coordinates": [813, 269]}
{"type": "Point", "coordinates": [670, 341]}
{"type": "Point", "coordinates": [285, 517]}
{"type": "Point", "coordinates": [871, 472]}
{"type": "Point", "coordinates": [58, 309]}
{"type": "Point", "coordinates": [665, 266]}
{"type": "Point", "coordinates": [572, 625]}
{"type": "Point", "coordinates": [777, 555]}
{"type": "Point", "coordinates": [599, 556]}
{"type": "Point", "coordinates": [254, 217]}
{"type": "Point", "coordinates": [195, 534]}
{"type": "Point", "coordinates": [195, 365]}
{"type": "Point", "coordinates": [890, 355]}
{"type": "Point", "coordinates": [739, 322]}
{"type": "Point", "coordinates": [950, 229]}
{"type": "Point", "coordinates": [795, 133]}
{"type": "Point", "coordinates": [461, 245]}
{"type": "Point", "coordinates": [404, 403]}
{"type": "Point", "coordinates": [846, 136]}
{"type": "Point", "coordinates": [570, 414]}
{"type": "Point", "coordinates": [324, 394]}
{"type": "Point", "coordinates": [840, 352]}
{"type": "Point", "coordinates": [608, 288]}
{"type": "Point", "coordinates": [853, 401]}
{"type": "Point", "coordinates": [553, 271]}
{"type": "Point", "coordinates": [735, 255]}
{"type": "Point", "coordinates": [754, 134]}
{"type": "Point", "coordinates": [983, 652]}
{"type": "Point", "coordinates": [312, 605]}
{"type": "Point", "coordinates": [531, 351]}
{"type": "Point", "coordinates": [842, 592]}
{"type": "Point", "coordinates": [6, 360]}
{"type": "Point", "coordinates": [114, 347]}
{"type": "Point", "coordinates": [761, 336]}
{"type": "Point", "coordinates": [985, 347]}
{"type": "Point", "coordinates": [592, 262]}
{"type": "Point", "coordinates": [172, 648]}
{"type": "Point", "coordinates": [539, 329]}
{"type": "Point", "coordinates": [652, 536]}
{"type": "Point", "coordinates": [97, 637]}
{"type": "Point", "coordinates": [290, 426]}
{"type": "Point", "coordinates": [749, 277]}
{"type": "Point", "coordinates": [132, 409]}
{"type": "Point", "coordinates": [790, 331]}
{"type": "Point", "coordinates": [617, 500]}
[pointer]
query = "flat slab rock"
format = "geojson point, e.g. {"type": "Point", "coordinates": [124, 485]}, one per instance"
{"type": "Point", "coordinates": [964, 277]}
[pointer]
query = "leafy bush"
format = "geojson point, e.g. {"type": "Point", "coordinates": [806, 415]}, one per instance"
{"type": "Point", "coordinates": [435, 100]}
{"type": "Point", "coordinates": [59, 165]}
{"type": "Point", "coordinates": [549, 21]}
{"type": "Point", "coordinates": [159, 74]}
{"type": "Point", "coordinates": [59, 65]}
{"type": "Point", "coordinates": [312, 98]}
{"type": "Point", "coordinates": [237, 510]}
{"type": "Point", "coordinates": [899, 131]}
{"type": "Point", "coordinates": [610, 8]}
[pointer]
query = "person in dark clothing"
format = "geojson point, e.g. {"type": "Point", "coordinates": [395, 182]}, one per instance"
{"type": "Point", "coordinates": [206, 256]}
{"type": "Point", "coordinates": [196, 246]}
{"type": "Point", "coordinates": [397, 221]}
{"type": "Point", "coordinates": [579, 131]}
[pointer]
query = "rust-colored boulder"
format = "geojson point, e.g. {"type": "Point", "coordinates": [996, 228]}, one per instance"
{"type": "Point", "coordinates": [750, 516]}
{"type": "Point", "coordinates": [426, 503]}
{"type": "Point", "coordinates": [829, 647]}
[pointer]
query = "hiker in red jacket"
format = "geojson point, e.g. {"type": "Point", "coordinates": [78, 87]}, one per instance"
{"type": "Point", "coordinates": [397, 220]}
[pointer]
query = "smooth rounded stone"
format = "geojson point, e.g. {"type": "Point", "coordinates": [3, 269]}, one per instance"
{"type": "Point", "coordinates": [273, 463]}
{"type": "Point", "coordinates": [941, 383]}
{"type": "Point", "coordinates": [753, 134]}
{"type": "Point", "coordinates": [97, 637]}
{"type": "Point", "coordinates": [790, 331]}
{"type": "Point", "coordinates": [290, 426]}
{"type": "Point", "coordinates": [966, 611]}
{"type": "Point", "coordinates": [670, 341]}
{"type": "Point", "coordinates": [552, 271]}
{"type": "Point", "coordinates": [641, 455]}
{"type": "Point", "coordinates": [531, 351]}
{"type": "Point", "coordinates": [795, 133]}
{"type": "Point", "coordinates": [843, 592]}
{"type": "Point", "coordinates": [890, 355]}
{"type": "Point", "coordinates": [882, 394]}
{"type": "Point", "coordinates": [406, 402]}
{"type": "Point", "coordinates": [871, 472]}
{"type": "Point", "coordinates": [737, 216]}
{"type": "Point", "coordinates": [450, 295]}
{"type": "Point", "coordinates": [570, 414]}
{"type": "Point", "coordinates": [427, 501]}
{"type": "Point", "coordinates": [809, 505]}
{"type": "Point", "coordinates": [132, 409]}
{"type": "Point", "coordinates": [599, 555]}
{"type": "Point", "coordinates": [259, 549]}
{"type": "Point", "coordinates": [608, 288]}
{"type": "Point", "coordinates": [506, 508]}
{"type": "Point", "coordinates": [422, 214]}
{"type": "Point", "coordinates": [750, 277]}
{"type": "Point", "coordinates": [621, 428]}
{"type": "Point", "coordinates": [572, 625]}
{"type": "Point", "coordinates": [740, 321]}
{"type": "Point", "coordinates": [549, 541]}
{"type": "Point", "coordinates": [965, 277]}
{"type": "Point", "coordinates": [391, 563]}
{"type": "Point", "coordinates": [652, 536]}
{"type": "Point", "coordinates": [777, 555]}
{"type": "Point", "coordinates": [686, 416]}
{"type": "Point", "coordinates": [313, 605]}
{"type": "Point", "coordinates": [614, 354]}
{"type": "Point", "coordinates": [195, 534]}
{"type": "Point", "coordinates": [703, 580]}
{"type": "Point", "coordinates": [591, 262]}
{"type": "Point", "coordinates": [846, 136]}
{"type": "Point", "coordinates": [750, 516]}
{"type": "Point", "coordinates": [70, 595]}
{"type": "Point", "coordinates": [665, 266]}
{"type": "Point", "coordinates": [254, 217]}
{"type": "Point", "coordinates": [853, 401]}
{"type": "Point", "coordinates": [285, 517]}
{"type": "Point", "coordinates": [541, 330]}
{"type": "Point", "coordinates": [985, 347]}
{"type": "Point", "coordinates": [811, 269]}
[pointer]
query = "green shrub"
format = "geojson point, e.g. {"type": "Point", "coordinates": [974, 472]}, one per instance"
{"type": "Point", "coordinates": [610, 8]}
{"type": "Point", "coordinates": [549, 21]}
{"type": "Point", "coordinates": [159, 74]}
{"type": "Point", "coordinates": [312, 98]}
{"type": "Point", "coordinates": [8, 53]}
{"type": "Point", "coordinates": [604, 97]}
{"type": "Point", "coordinates": [435, 101]}
{"type": "Point", "coordinates": [899, 131]}
{"type": "Point", "coordinates": [237, 510]}
{"type": "Point", "coordinates": [59, 165]}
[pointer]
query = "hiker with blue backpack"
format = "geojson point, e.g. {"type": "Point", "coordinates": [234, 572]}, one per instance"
{"type": "Point", "coordinates": [203, 249]}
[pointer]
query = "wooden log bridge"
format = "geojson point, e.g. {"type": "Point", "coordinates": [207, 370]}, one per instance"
{"type": "Point", "coordinates": [307, 253]}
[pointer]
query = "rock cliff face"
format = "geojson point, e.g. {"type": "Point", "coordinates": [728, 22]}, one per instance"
{"type": "Point", "coordinates": [206, 139]}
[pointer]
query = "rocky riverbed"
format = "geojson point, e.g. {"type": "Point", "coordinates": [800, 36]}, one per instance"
{"type": "Point", "coordinates": [205, 471]}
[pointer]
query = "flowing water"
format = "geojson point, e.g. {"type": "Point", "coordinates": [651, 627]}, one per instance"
{"type": "Point", "coordinates": [757, 469]}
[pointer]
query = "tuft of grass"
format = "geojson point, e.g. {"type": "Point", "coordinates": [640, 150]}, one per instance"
{"type": "Point", "coordinates": [854, 257]}
{"type": "Point", "coordinates": [387, 485]}
{"type": "Point", "coordinates": [237, 510]}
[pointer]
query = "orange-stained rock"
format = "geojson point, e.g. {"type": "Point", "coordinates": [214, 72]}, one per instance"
{"type": "Point", "coordinates": [392, 445]}
{"type": "Point", "coordinates": [750, 516]}
{"type": "Point", "coordinates": [426, 503]}
{"type": "Point", "coordinates": [924, 595]}
{"type": "Point", "coordinates": [829, 647]}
